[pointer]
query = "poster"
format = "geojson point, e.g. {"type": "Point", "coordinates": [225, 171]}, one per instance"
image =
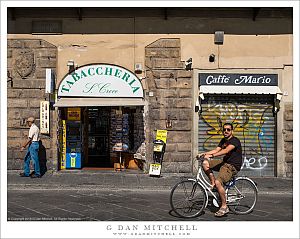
{"type": "Point", "coordinates": [44, 117]}
{"type": "Point", "coordinates": [74, 114]}
{"type": "Point", "coordinates": [63, 146]}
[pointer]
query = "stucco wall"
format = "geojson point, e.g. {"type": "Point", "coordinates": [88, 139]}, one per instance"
{"type": "Point", "coordinates": [271, 51]}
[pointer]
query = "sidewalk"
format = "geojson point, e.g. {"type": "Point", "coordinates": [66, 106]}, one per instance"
{"type": "Point", "coordinates": [129, 179]}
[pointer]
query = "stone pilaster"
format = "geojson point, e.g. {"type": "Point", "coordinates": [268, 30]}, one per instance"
{"type": "Point", "coordinates": [288, 139]}
{"type": "Point", "coordinates": [171, 87]}
{"type": "Point", "coordinates": [27, 63]}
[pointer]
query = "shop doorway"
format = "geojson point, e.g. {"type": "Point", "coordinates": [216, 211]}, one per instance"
{"type": "Point", "coordinates": [100, 130]}
{"type": "Point", "coordinates": [96, 143]}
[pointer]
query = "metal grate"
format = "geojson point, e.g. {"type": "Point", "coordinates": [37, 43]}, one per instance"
{"type": "Point", "coordinates": [254, 124]}
{"type": "Point", "coordinates": [47, 27]}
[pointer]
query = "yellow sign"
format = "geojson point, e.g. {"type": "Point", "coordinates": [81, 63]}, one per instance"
{"type": "Point", "coordinates": [73, 162]}
{"type": "Point", "coordinates": [74, 114]}
{"type": "Point", "coordinates": [64, 146]}
{"type": "Point", "coordinates": [73, 158]}
{"type": "Point", "coordinates": [162, 135]}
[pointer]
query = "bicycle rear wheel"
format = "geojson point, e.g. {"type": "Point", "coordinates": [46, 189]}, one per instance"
{"type": "Point", "coordinates": [188, 198]}
{"type": "Point", "coordinates": [242, 196]}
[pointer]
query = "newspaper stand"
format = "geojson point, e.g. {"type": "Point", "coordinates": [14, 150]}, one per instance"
{"type": "Point", "coordinates": [158, 154]}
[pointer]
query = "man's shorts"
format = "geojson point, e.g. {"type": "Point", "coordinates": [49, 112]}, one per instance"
{"type": "Point", "coordinates": [226, 171]}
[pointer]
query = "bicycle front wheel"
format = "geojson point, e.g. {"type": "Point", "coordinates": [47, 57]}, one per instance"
{"type": "Point", "coordinates": [242, 196]}
{"type": "Point", "coordinates": [188, 198]}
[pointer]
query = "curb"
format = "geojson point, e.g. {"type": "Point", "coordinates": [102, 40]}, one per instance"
{"type": "Point", "coordinates": [126, 181]}
{"type": "Point", "coordinates": [26, 187]}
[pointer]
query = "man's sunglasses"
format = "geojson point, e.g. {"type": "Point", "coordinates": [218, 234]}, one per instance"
{"type": "Point", "coordinates": [226, 129]}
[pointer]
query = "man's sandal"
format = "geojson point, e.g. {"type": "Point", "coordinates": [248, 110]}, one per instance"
{"type": "Point", "coordinates": [222, 212]}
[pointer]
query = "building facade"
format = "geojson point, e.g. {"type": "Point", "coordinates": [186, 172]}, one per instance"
{"type": "Point", "coordinates": [119, 75]}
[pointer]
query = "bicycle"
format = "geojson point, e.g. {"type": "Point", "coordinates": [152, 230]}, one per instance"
{"type": "Point", "coordinates": [189, 197]}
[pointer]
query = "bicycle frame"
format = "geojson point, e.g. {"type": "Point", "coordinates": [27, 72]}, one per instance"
{"type": "Point", "coordinates": [234, 190]}
{"type": "Point", "coordinates": [190, 196]}
{"type": "Point", "coordinates": [205, 184]}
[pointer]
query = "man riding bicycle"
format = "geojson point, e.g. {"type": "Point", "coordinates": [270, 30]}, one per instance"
{"type": "Point", "coordinates": [230, 147]}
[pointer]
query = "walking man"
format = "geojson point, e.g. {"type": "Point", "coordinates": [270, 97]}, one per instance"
{"type": "Point", "coordinates": [230, 147]}
{"type": "Point", "coordinates": [33, 150]}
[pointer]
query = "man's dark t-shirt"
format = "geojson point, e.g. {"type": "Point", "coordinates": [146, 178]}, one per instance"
{"type": "Point", "coordinates": [234, 157]}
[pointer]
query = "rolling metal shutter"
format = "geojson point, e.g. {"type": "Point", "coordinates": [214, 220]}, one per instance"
{"type": "Point", "coordinates": [254, 124]}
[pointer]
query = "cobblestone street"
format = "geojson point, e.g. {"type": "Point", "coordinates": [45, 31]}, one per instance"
{"type": "Point", "coordinates": [127, 205]}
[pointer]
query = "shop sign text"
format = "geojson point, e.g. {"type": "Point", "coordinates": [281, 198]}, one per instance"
{"type": "Point", "coordinates": [44, 117]}
{"type": "Point", "coordinates": [101, 80]}
{"type": "Point", "coordinates": [238, 79]}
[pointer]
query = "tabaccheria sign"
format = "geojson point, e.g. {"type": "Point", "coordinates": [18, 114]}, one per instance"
{"type": "Point", "coordinates": [100, 80]}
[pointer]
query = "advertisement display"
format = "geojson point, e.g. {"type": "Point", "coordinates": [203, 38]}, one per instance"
{"type": "Point", "coordinates": [74, 114]}
{"type": "Point", "coordinates": [73, 145]}
{"type": "Point", "coordinates": [64, 146]}
{"type": "Point", "coordinates": [159, 146]}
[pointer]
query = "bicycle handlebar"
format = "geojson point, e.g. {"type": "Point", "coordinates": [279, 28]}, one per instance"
{"type": "Point", "coordinates": [201, 158]}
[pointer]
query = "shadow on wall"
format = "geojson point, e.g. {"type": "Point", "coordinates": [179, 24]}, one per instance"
{"type": "Point", "coordinates": [42, 158]}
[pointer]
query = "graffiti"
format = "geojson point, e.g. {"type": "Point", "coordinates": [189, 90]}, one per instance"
{"type": "Point", "coordinates": [254, 164]}
{"type": "Point", "coordinates": [253, 124]}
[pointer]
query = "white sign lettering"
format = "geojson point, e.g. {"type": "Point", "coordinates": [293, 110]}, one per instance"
{"type": "Point", "coordinates": [252, 80]}
{"type": "Point", "coordinates": [238, 79]}
{"type": "Point", "coordinates": [221, 79]}
{"type": "Point", "coordinates": [101, 80]}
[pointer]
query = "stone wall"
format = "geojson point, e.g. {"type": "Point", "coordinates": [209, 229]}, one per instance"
{"type": "Point", "coordinates": [171, 87]}
{"type": "Point", "coordinates": [288, 138]}
{"type": "Point", "coordinates": [27, 63]}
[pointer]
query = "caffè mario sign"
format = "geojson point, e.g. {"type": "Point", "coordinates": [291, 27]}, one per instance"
{"type": "Point", "coordinates": [238, 79]}
{"type": "Point", "coordinates": [100, 80]}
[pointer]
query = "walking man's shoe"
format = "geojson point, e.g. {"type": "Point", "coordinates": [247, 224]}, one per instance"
{"type": "Point", "coordinates": [24, 175]}
{"type": "Point", "coordinates": [35, 176]}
